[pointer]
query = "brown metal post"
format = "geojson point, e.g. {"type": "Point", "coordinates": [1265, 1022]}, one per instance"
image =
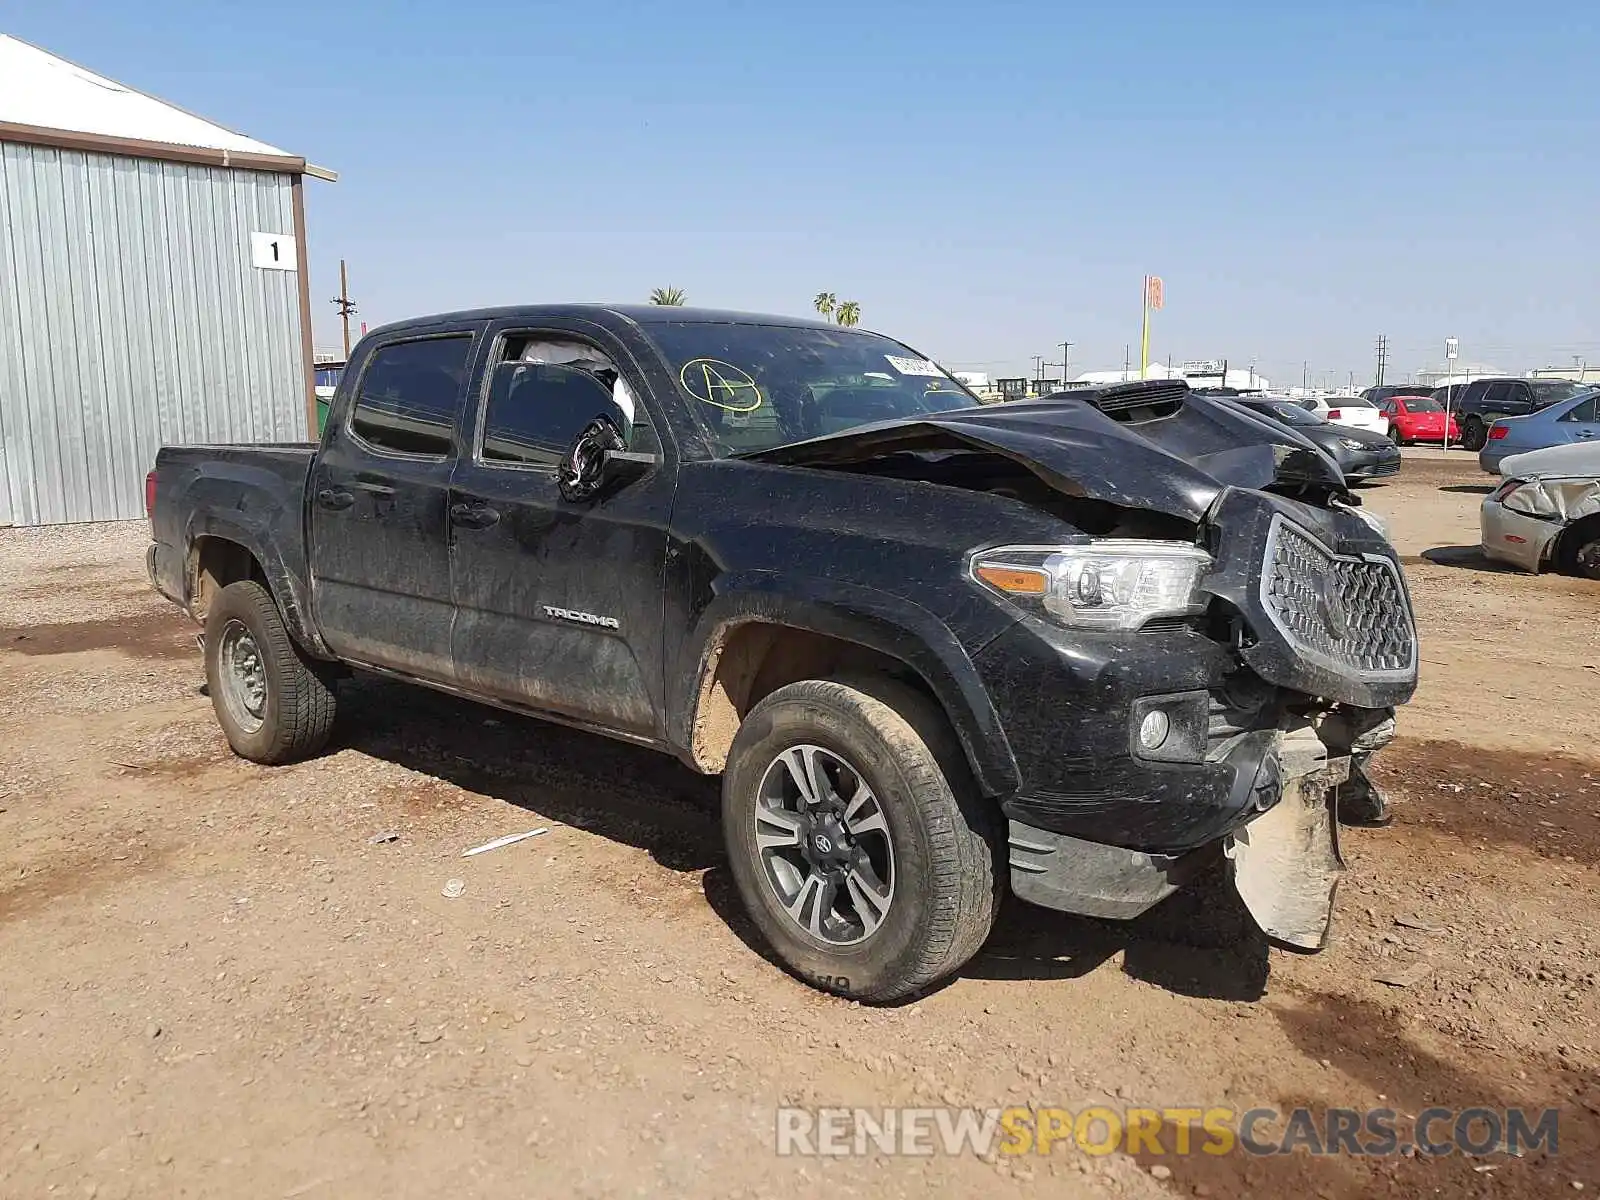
{"type": "Point", "coordinates": [302, 269]}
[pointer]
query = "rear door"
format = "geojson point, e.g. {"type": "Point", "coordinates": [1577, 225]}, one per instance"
{"type": "Point", "coordinates": [559, 604]}
{"type": "Point", "coordinates": [379, 491]}
{"type": "Point", "coordinates": [1580, 423]}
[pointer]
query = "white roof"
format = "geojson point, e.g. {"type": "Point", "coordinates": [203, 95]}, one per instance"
{"type": "Point", "coordinates": [37, 88]}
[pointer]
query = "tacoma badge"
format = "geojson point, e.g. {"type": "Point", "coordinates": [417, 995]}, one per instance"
{"type": "Point", "coordinates": [582, 618]}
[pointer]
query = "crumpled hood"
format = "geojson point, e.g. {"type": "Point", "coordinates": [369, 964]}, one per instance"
{"type": "Point", "coordinates": [1176, 464]}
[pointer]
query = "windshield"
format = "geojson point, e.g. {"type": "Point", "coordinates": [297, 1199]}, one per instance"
{"type": "Point", "coordinates": [1418, 404]}
{"type": "Point", "coordinates": [758, 386]}
{"type": "Point", "coordinates": [1548, 392]}
{"type": "Point", "coordinates": [1288, 413]}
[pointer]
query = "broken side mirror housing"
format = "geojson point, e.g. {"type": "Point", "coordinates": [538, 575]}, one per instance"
{"type": "Point", "coordinates": [598, 462]}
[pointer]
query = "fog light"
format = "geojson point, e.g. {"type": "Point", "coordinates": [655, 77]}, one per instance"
{"type": "Point", "coordinates": [1153, 729]}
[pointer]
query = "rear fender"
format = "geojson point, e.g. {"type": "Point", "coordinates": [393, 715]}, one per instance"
{"type": "Point", "coordinates": [288, 591]}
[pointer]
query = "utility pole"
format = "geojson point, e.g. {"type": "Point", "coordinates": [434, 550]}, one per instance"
{"type": "Point", "coordinates": [1066, 357]}
{"type": "Point", "coordinates": [1383, 358]}
{"type": "Point", "coordinates": [1305, 377]}
{"type": "Point", "coordinates": [1126, 355]}
{"type": "Point", "coordinates": [346, 307]}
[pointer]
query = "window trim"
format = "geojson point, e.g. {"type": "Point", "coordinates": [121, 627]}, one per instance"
{"type": "Point", "coordinates": [349, 424]}
{"type": "Point", "coordinates": [485, 384]}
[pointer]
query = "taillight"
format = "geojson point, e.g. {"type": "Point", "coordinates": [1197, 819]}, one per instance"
{"type": "Point", "coordinates": [1334, 414]}
{"type": "Point", "coordinates": [1497, 432]}
{"type": "Point", "coordinates": [150, 494]}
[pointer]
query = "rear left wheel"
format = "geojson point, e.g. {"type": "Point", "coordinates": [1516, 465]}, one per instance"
{"type": "Point", "coordinates": [275, 704]}
{"type": "Point", "coordinates": [857, 838]}
{"type": "Point", "coordinates": [1394, 435]}
{"type": "Point", "coordinates": [1474, 436]}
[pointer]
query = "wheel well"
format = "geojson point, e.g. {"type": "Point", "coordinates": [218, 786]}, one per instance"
{"type": "Point", "coordinates": [751, 660]}
{"type": "Point", "coordinates": [1563, 553]}
{"type": "Point", "coordinates": [214, 563]}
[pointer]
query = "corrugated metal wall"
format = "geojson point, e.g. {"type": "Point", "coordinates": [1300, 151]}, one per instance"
{"type": "Point", "coordinates": [130, 317]}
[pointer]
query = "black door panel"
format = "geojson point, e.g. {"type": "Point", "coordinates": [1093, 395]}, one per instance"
{"type": "Point", "coordinates": [380, 555]}
{"type": "Point", "coordinates": [558, 604]}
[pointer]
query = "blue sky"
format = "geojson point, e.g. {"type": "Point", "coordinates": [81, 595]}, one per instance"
{"type": "Point", "coordinates": [987, 180]}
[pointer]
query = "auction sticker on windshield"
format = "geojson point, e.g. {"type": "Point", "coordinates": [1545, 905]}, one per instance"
{"type": "Point", "coordinates": [913, 366]}
{"type": "Point", "coordinates": [721, 385]}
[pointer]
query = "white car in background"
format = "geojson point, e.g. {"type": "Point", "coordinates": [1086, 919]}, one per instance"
{"type": "Point", "coordinates": [1348, 410]}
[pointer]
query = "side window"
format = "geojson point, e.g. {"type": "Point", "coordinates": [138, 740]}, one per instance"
{"type": "Point", "coordinates": [536, 410]}
{"type": "Point", "coordinates": [1582, 412]}
{"type": "Point", "coordinates": [1497, 393]}
{"type": "Point", "coordinates": [409, 395]}
{"type": "Point", "coordinates": [543, 389]}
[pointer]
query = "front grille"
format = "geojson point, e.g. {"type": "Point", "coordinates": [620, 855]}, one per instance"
{"type": "Point", "coordinates": [1346, 613]}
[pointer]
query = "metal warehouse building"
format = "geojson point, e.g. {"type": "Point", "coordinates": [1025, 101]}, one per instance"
{"type": "Point", "coordinates": [153, 289]}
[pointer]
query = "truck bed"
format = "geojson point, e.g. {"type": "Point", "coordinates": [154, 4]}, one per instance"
{"type": "Point", "coordinates": [252, 494]}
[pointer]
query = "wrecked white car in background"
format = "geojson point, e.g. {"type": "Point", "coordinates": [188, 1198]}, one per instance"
{"type": "Point", "coordinates": [1546, 511]}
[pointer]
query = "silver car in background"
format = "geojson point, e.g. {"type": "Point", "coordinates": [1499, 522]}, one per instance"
{"type": "Point", "coordinates": [1546, 511]}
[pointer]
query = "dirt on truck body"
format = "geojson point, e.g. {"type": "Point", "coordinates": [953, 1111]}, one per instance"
{"type": "Point", "coordinates": [1081, 650]}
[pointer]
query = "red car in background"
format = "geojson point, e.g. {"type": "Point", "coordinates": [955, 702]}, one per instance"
{"type": "Point", "coordinates": [1414, 418]}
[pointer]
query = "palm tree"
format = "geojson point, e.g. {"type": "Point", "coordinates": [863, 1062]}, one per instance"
{"type": "Point", "coordinates": [668, 295]}
{"type": "Point", "coordinates": [825, 303]}
{"type": "Point", "coordinates": [849, 313]}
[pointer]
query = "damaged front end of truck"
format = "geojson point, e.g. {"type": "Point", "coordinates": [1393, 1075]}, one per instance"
{"type": "Point", "coordinates": [1218, 731]}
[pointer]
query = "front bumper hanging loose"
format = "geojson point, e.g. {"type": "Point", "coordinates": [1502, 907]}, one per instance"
{"type": "Point", "coordinates": [1286, 862]}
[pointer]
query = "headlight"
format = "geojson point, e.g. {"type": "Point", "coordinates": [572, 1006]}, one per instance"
{"type": "Point", "coordinates": [1352, 444]}
{"type": "Point", "coordinates": [1106, 584]}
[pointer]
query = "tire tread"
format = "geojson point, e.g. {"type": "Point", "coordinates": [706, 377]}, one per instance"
{"type": "Point", "coordinates": [305, 690]}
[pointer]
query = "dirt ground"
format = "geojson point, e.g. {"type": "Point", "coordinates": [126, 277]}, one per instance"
{"type": "Point", "coordinates": [213, 982]}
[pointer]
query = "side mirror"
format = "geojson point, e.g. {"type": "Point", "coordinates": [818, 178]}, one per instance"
{"type": "Point", "coordinates": [599, 461]}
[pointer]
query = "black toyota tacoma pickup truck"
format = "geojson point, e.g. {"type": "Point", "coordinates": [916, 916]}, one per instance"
{"type": "Point", "coordinates": [1083, 647]}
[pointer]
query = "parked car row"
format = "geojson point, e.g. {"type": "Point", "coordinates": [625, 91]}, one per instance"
{"type": "Point", "coordinates": [1361, 454]}
{"type": "Point", "coordinates": [1479, 404]}
{"type": "Point", "coordinates": [1558, 424]}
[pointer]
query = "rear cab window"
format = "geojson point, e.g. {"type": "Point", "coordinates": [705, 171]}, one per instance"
{"type": "Point", "coordinates": [409, 395]}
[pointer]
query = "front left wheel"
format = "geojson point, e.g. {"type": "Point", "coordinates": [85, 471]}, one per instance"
{"type": "Point", "coordinates": [857, 838]}
{"type": "Point", "coordinates": [275, 703]}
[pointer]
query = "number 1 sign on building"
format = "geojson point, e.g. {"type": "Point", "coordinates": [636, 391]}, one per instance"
{"type": "Point", "coordinates": [274, 252]}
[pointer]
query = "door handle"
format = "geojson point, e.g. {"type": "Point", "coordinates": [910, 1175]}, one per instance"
{"type": "Point", "coordinates": [1586, 433]}
{"type": "Point", "coordinates": [377, 489]}
{"type": "Point", "coordinates": [473, 516]}
{"type": "Point", "coordinates": [335, 499]}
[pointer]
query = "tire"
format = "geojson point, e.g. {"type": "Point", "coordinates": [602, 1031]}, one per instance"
{"type": "Point", "coordinates": [281, 711]}
{"type": "Point", "coordinates": [1474, 436]}
{"type": "Point", "coordinates": [1394, 436]}
{"type": "Point", "coordinates": [945, 870]}
{"type": "Point", "coordinates": [1578, 552]}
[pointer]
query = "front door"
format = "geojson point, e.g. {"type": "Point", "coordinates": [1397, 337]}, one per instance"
{"type": "Point", "coordinates": [380, 555]}
{"type": "Point", "coordinates": [559, 604]}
